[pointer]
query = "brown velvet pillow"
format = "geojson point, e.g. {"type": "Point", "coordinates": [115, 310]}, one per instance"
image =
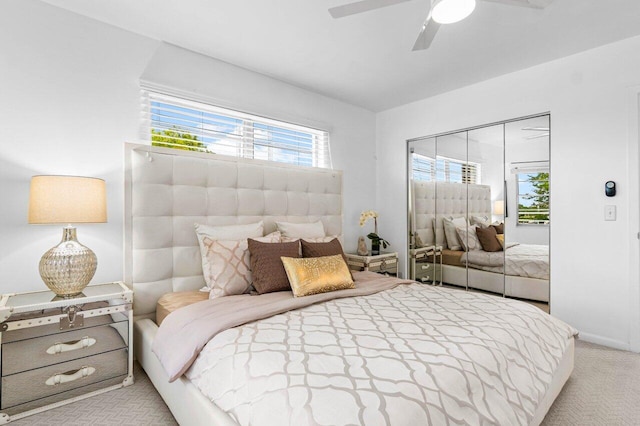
{"type": "Point", "coordinates": [267, 269]}
{"type": "Point", "coordinates": [330, 248]}
{"type": "Point", "coordinates": [499, 228]}
{"type": "Point", "coordinates": [488, 240]}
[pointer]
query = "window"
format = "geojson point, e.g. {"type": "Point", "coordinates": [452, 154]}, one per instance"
{"type": "Point", "coordinates": [444, 169]}
{"type": "Point", "coordinates": [173, 122]}
{"type": "Point", "coordinates": [533, 198]}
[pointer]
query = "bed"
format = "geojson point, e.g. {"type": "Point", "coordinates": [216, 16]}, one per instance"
{"type": "Point", "coordinates": [526, 266]}
{"type": "Point", "coordinates": [413, 352]}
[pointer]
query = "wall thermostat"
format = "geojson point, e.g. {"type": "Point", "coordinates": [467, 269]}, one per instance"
{"type": "Point", "coordinates": [610, 188]}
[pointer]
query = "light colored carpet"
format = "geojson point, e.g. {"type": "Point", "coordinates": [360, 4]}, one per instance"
{"type": "Point", "coordinates": [604, 389]}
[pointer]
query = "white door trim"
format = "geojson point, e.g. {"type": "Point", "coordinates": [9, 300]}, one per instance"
{"type": "Point", "coordinates": [634, 217]}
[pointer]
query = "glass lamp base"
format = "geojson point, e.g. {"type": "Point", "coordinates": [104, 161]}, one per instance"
{"type": "Point", "coordinates": [68, 267]}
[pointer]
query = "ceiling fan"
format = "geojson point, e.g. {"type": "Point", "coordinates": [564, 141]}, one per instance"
{"type": "Point", "coordinates": [440, 12]}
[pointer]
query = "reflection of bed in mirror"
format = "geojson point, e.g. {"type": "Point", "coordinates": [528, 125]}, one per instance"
{"type": "Point", "coordinates": [525, 266]}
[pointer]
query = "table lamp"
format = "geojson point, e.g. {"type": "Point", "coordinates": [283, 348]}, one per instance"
{"type": "Point", "coordinates": [68, 267]}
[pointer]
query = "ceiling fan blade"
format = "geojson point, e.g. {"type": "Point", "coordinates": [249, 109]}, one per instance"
{"type": "Point", "coordinates": [427, 34]}
{"type": "Point", "coordinates": [361, 6]}
{"type": "Point", "coordinates": [534, 4]}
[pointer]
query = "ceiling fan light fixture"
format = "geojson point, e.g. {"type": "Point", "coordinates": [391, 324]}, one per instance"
{"type": "Point", "coordinates": [450, 11]}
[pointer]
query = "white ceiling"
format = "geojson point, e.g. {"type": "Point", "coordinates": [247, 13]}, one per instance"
{"type": "Point", "coordinates": [366, 59]}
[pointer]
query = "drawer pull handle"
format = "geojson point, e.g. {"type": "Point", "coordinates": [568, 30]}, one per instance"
{"type": "Point", "coordinates": [424, 267]}
{"type": "Point", "coordinates": [69, 376]}
{"type": "Point", "coordinates": [83, 343]}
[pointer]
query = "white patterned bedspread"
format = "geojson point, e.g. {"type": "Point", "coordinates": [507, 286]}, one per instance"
{"type": "Point", "coordinates": [412, 355]}
{"type": "Point", "coordinates": [522, 260]}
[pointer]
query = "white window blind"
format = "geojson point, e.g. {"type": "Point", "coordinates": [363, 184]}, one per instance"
{"type": "Point", "coordinates": [444, 169]}
{"type": "Point", "coordinates": [178, 123]}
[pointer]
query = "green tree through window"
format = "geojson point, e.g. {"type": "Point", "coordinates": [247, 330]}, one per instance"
{"type": "Point", "coordinates": [177, 139]}
{"type": "Point", "coordinates": [533, 198]}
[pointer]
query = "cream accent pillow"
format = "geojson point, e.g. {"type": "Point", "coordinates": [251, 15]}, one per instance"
{"type": "Point", "coordinates": [450, 226]}
{"type": "Point", "coordinates": [468, 238]}
{"type": "Point", "coordinates": [227, 270]}
{"type": "Point", "coordinates": [301, 230]}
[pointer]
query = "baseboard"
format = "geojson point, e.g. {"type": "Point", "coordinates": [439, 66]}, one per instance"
{"type": "Point", "coordinates": [605, 341]}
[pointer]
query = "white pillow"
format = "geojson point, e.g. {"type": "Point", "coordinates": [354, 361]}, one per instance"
{"type": "Point", "coordinates": [450, 225]}
{"type": "Point", "coordinates": [230, 232]}
{"type": "Point", "coordinates": [481, 221]}
{"type": "Point", "coordinates": [468, 238]}
{"type": "Point", "coordinates": [301, 230]}
{"type": "Point", "coordinates": [227, 270]}
{"type": "Point", "coordinates": [311, 239]}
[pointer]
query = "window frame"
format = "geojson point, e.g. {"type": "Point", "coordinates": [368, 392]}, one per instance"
{"type": "Point", "coordinates": [277, 139]}
{"type": "Point", "coordinates": [518, 194]}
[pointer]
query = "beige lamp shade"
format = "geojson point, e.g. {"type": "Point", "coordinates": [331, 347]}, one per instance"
{"type": "Point", "coordinates": [67, 199]}
{"type": "Point", "coordinates": [498, 207]}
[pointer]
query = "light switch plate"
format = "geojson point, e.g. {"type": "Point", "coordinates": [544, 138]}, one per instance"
{"type": "Point", "coordinates": [609, 212]}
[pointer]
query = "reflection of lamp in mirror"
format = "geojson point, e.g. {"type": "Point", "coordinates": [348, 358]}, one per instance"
{"type": "Point", "coordinates": [498, 207]}
{"type": "Point", "coordinates": [68, 267]}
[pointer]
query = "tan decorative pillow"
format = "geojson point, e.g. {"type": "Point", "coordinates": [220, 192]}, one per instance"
{"type": "Point", "coordinates": [227, 269]}
{"type": "Point", "coordinates": [320, 249]}
{"type": "Point", "coordinates": [468, 238]}
{"type": "Point", "coordinates": [223, 232]}
{"type": "Point", "coordinates": [266, 267]}
{"type": "Point", "coordinates": [315, 275]}
{"type": "Point", "coordinates": [488, 241]}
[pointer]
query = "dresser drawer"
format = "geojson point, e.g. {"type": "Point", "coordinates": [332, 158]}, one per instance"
{"type": "Point", "coordinates": [423, 271]}
{"type": "Point", "coordinates": [43, 382]}
{"type": "Point", "coordinates": [63, 396]}
{"type": "Point", "coordinates": [54, 328]}
{"type": "Point", "coordinates": [65, 346]}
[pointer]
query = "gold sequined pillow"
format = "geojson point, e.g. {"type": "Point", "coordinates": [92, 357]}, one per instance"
{"type": "Point", "coordinates": [227, 267]}
{"type": "Point", "coordinates": [313, 275]}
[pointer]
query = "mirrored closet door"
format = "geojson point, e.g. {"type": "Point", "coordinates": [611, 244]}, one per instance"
{"type": "Point", "coordinates": [479, 208]}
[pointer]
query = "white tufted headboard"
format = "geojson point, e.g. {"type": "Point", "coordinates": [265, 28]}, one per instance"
{"type": "Point", "coordinates": [450, 199]}
{"type": "Point", "coordinates": [168, 190]}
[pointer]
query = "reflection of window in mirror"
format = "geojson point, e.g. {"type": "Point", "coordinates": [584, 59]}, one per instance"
{"type": "Point", "coordinates": [447, 170]}
{"type": "Point", "coordinates": [533, 198]}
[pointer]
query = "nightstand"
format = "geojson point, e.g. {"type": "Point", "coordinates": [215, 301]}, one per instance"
{"type": "Point", "coordinates": [384, 263]}
{"type": "Point", "coordinates": [54, 351]}
{"type": "Point", "coordinates": [426, 264]}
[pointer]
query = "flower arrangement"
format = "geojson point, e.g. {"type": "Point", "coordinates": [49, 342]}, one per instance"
{"type": "Point", "coordinates": [376, 240]}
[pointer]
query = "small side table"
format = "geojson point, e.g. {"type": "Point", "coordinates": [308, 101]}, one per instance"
{"type": "Point", "coordinates": [56, 351]}
{"type": "Point", "coordinates": [384, 263]}
{"type": "Point", "coordinates": [426, 264]}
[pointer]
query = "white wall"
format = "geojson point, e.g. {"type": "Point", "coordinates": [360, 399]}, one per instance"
{"type": "Point", "coordinates": [593, 102]}
{"type": "Point", "coordinates": [69, 99]}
